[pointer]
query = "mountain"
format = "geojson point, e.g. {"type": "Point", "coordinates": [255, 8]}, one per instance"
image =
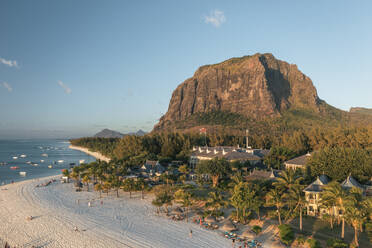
{"type": "Point", "coordinates": [107, 133]}
{"type": "Point", "coordinates": [359, 110]}
{"type": "Point", "coordinates": [250, 91]}
{"type": "Point", "coordinates": [138, 133]}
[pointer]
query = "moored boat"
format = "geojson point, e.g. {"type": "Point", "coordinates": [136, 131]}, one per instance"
{"type": "Point", "coordinates": [60, 161]}
{"type": "Point", "coordinates": [22, 173]}
{"type": "Point", "coordinates": [23, 156]}
{"type": "Point", "coordinates": [14, 167]}
{"type": "Point", "coordinates": [82, 161]}
{"type": "Point", "coordinates": [50, 166]}
{"type": "Point", "coordinates": [15, 157]}
{"type": "Point", "coordinates": [44, 155]}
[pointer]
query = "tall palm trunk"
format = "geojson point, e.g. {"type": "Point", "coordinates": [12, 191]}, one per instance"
{"type": "Point", "coordinates": [356, 235]}
{"type": "Point", "coordinates": [279, 217]}
{"type": "Point", "coordinates": [300, 219]}
{"type": "Point", "coordinates": [343, 228]}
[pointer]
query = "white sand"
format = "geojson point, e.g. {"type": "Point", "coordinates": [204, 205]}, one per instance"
{"type": "Point", "coordinates": [97, 155]}
{"type": "Point", "coordinates": [119, 222]}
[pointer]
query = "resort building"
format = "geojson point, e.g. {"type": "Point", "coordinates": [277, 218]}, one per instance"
{"type": "Point", "coordinates": [262, 175]}
{"type": "Point", "coordinates": [298, 162]}
{"type": "Point", "coordinates": [152, 167]}
{"type": "Point", "coordinates": [230, 153]}
{"type": "Point", "coordinates": [313, 195]}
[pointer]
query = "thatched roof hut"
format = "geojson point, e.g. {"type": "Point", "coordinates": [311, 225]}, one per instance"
{"type": "Point", "coordinates": [248, 234]}
{"type": "Point", "coordinates": [210, 219]}
{"type": "Point", "coordinates": [228, 226]}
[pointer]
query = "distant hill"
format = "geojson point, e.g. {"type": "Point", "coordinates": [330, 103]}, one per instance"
{"type": "Point", "coordinates": [139, 133]}
{"type": "Point", "coordinates": [359, 110]}
{"type": "Point", "coordinates": [107, 133]}
{"type": "Point", "coordinates": [256, 92]}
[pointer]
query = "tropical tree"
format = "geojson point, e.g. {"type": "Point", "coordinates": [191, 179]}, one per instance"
{"type": "Point", "coordinates": [66, 173]}
{"type": "Point", "coordinates": [334, 193]}
{"type": "Point", "coordinates": [274, 199]}
{"type": "Point", "coordinates": [185, 198]}
{"type": "Point", "coordinates": [99, 187]}
{"type": "Point", "coordinates": [296, 195]}
{"type": "Point", "coordinates": [86, 180]}
{"type": "Point", "coordinates": [215, 202]}
{"type": "Point", "coordinates": [243, 200]}
{"type": "Point", "coordinates": [115, 183]}
{"type": "Point", "coordinates": [129, 185]}
{"type": "Point", "coordinates": [356, 212]}
{"type": "Point", "coordinates": [215, 168]}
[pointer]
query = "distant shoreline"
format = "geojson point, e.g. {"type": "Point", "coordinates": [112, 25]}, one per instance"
{"type": "Point", "coordinates": [97, 155]}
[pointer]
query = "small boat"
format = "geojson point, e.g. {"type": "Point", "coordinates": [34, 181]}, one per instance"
{"type": "Point", "coordinates": [14, 167]}
{"type": "Point", "coordinates": [23, 156]}
{"type": "Point", "coordinates": [2, 163]}
{"type": "Point", "coordinates": [50, 166]}
{"type": "Point", "coordinates": [15, 157]}
{"type": "Point", "coordinates": [42, 161]}
{"type": "Point", "coordinates": [44, 155]}
{"type": "Point", "coordinates": [23, 173]}
{"type": "Point", "coordinates": [35, 164]}
{"type": "Point", "coordinates": [28, 162]}
{"type": "Point", "coordinates": [82, 161]}
{"type": "Point", "coordinates": [60, 161]}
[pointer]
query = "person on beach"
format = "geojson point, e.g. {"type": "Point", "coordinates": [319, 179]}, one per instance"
{"type": "Point", "coordinates": [89, 204]}
{"type": "Point", "coordinates": [76, 229]}
{"type": "Point", "coordinates": [190, 233]}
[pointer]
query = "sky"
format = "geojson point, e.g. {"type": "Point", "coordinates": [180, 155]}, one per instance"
{"type": "Point", "coordinates": [71, 68]}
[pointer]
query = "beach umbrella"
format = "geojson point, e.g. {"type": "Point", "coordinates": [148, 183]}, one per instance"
{"type": "Point", "coordinates": [210, 219]}
{"type": "Point", "coordinates": [228, 226]}
{"type": "Point", "coordinates": [248, 234]}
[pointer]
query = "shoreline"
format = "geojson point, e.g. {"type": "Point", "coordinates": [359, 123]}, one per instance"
{"type": "Point", "coordinates": [97, 155]}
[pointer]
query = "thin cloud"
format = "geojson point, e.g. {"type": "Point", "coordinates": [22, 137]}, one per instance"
{"type": "Point", "coordinates": [65, 87]}
{"type": "Point", "coordinates": [10, 63]}
{"type": "Point", "coordinates": [7, 86]}
{"type": "Point", "coordinates": [216, 18]}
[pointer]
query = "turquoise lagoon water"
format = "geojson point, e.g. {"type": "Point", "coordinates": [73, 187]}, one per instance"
{"type": "Point", "coordinates": [51, 151]}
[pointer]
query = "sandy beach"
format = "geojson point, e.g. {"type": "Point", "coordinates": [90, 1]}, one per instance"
{"type": "Point", "coordinates": [97, 155]}
{"type": "Point", "coordinates": [119, 222]}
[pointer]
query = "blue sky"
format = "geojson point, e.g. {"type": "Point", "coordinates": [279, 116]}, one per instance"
{"type": "Point", "coordinates": [72, 68]}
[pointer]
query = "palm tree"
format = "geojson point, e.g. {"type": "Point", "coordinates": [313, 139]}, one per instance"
{"type": "Point", "coordinates": [287, 180]}
{"type": "Point", "coordinates": [184, 198]}
{"type": "Point", "coordinates": [99, 187]}
{"type": "Point", "coordinates": [354, 214]}
{"type": "Point", "coordinates": [215, 201]}
{"type": "Point", "coordinates": [86, 180]}
{"type": "Point", "coordinates": [296, 195]}
{"type": "Point", "coordinates": [334, 193]}
{"type": "Point", "coordinates": [274, 199]}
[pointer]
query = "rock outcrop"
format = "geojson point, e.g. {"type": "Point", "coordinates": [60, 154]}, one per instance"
{"type": "Point", "coordinates": [257, 87]}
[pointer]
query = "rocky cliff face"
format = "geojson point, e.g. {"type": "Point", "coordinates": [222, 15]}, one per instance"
{"type": "Point", "coordinates": [257, 86]}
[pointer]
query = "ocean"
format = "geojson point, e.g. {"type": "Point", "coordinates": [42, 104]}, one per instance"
{"type": "Point", "coordinates": [34, 157]}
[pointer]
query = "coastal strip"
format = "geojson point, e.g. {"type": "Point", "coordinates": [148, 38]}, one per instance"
{"type": "Point", "coordinates": [97, 155]}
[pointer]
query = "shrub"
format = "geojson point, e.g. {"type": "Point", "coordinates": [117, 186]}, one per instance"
{"type": "Point", "coordinates": [256, 229]}
{"type": "Point", "coordinates": [336, 243]}
{"type": "Point", "coordinates": [300, 239]}
{"type": "Point", "coordinates": [286, 234]}
{"type": "Point", "coordinates": [313, 243]}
